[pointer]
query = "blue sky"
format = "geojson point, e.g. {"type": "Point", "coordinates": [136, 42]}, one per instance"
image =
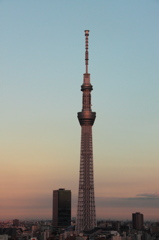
{"type": "Point", "coordinates": [42, 66]}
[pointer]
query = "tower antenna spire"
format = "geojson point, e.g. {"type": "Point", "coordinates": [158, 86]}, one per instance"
{"type": "Point", "coordinates": [86, 49]}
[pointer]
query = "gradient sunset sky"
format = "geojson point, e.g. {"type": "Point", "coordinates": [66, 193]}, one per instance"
{"type": "Point", "coordinates": [41, 66]}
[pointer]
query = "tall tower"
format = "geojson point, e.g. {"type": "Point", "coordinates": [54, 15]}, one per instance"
{"type": "Point", "coordinates": [86, 216]}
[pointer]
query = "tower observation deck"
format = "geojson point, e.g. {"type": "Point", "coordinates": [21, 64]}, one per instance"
{"type": "Point", "coordinates": [86, 215]}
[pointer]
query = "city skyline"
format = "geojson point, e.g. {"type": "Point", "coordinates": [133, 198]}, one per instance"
{"type": "Point", "coordinates": [41, 71]}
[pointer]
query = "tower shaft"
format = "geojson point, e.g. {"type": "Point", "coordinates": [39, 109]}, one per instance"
{"type": "Point", "coordinates": [86, 216]}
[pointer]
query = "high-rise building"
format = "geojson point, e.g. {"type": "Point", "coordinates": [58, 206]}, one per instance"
{"type": "Point", "coordinates": [16, 222]}
{"type": "Point", "coordinates": [137, 221]}
{"type": "Point", "coordinates": [61, 208]}
{"type": "Point", "coordinates": [86, 215]}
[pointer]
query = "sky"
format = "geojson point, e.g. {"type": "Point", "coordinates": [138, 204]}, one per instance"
{"type": "Point", "coordinates": [42, 48]}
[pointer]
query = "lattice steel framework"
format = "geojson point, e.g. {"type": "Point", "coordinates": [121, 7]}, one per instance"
{"type": "Point", "coordinates": [86, 216]}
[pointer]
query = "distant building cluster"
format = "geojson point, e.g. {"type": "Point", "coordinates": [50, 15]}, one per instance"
{"type": "Point", "coordinates": [136, 229]}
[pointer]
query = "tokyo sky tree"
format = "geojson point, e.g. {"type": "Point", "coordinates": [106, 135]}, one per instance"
{"type": "Point", "coordinates": [86, 216]}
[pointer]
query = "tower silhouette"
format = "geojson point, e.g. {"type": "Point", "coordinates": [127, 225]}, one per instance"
{"type": "Point", "coordinates": [86, 216]}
